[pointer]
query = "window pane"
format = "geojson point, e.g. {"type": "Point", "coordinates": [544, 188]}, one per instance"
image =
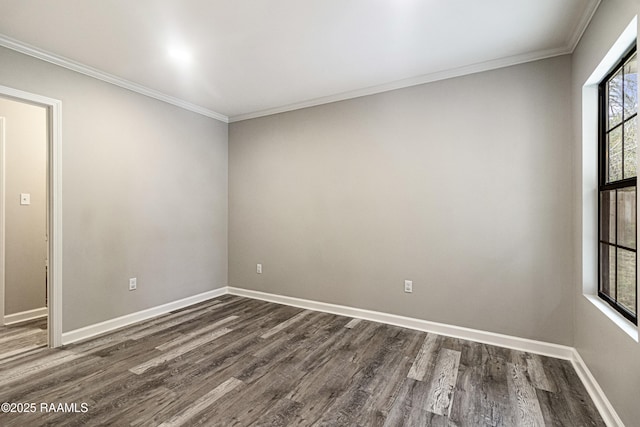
{"type": "Point", "coordinates": [614, 99]}
{"type": "Point", "coordinates": [631, 87]}
{"type": "Point", "coordinates": [608, 270]}
{"type": "Point", "coordinates": [627, 279]}
{"type": "Point", "coordinates": [630, 146]}
{"type": "Point", "coordinates": [618, 195]}
{"type": "Point", "coordinates": [614, 148]}
{"type": "Point", "coordinates": [608, 216]}
{"type": "Point", "coordinates": [627, 217]}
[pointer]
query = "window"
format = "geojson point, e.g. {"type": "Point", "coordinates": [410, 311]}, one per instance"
{"type": "Point", "coordinates": [618, 142]}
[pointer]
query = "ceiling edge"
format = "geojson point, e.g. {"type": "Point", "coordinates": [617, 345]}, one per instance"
{"type": "Point", "coordinates": [61, 61]}
{"type": "Point", "coordinates": [583, 23]}
{"type": "Point", "coordinates": [414, 81]}
{"type": "Point", "coordinates": [44, 55]}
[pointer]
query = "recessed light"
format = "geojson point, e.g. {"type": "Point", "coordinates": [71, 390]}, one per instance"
{"type": "Point", "coordinates": [180, 55]}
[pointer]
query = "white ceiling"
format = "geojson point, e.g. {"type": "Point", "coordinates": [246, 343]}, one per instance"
{"type": "Point", "coordinates": [254, 57]}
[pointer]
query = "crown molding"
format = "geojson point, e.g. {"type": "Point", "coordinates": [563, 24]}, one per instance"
{"type": "Point", "coordinates": [569, 47]}
{"type": "Point", "coordinates": [582, 24]}
{"type": "Point", "coordinates": [413, 81]}
{"type": "Point", "coordinates": [72, 65]}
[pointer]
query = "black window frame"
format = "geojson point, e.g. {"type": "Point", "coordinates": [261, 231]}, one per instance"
{"type": "Point", "coordinates": [623, 183]}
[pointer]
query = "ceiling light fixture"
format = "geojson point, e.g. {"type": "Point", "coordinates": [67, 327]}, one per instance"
{"type": "Point", "coordinates": [180, 55]}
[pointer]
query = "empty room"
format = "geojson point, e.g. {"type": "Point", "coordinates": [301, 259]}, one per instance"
{"type": "Point", "coordinates": [332, 213]}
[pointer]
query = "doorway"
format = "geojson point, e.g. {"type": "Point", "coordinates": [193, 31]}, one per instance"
{"type": "Point", "coordinates": [30, 220]}
{"type": "Point", "coordinates": [24, 146]}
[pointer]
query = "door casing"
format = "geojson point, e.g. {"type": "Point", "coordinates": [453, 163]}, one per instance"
{"type": "Point", "coordinates": [54, 207]}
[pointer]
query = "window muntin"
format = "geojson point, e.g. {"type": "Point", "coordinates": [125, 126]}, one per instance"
{"type": "Point", "coordinates": [617, 282]}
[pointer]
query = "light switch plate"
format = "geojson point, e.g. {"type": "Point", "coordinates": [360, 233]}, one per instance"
{"type": "Point", "coordinates": [25, 199]}
{"type": "Point", "coordinates": [408, 286]}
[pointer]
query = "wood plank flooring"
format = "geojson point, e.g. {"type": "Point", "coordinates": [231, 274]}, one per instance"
{"type": "Point", "coordinates": [237, 361]}
{"type": "Point", "coordinates": [21, 338]}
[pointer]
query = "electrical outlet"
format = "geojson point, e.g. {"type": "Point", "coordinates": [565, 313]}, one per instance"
{"type": "Point", "coordinates": [408, 286]}
{"type": "Point", "coordinates": [259, 268]}
{"type": "Point", "coordinates": [133, 284]}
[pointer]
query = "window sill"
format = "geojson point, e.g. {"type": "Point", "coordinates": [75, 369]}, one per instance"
{"type": "Point", "coordinates": [628, 327]}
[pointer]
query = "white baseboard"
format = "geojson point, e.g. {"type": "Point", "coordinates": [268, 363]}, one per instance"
{"type": "Point", "coordinates": [119, 322]}
{"type": "Point", "coordinates": [522, 344]}
{"type": "Point", "coordinates": [608, 413]}
{"type": "Point", "coordinates": [23, 316]}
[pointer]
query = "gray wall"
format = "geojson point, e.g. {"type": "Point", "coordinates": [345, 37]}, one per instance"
{"type": "Point", "coordinates": [611, 355]}
{"type": "Point", "coordinates": [25, 172]}
{"type": "Point", "coordinates": [471, 187]}
{"type": "Point", "coordinates": [144, 194]}
{"type": "Point", "coordinates": [463, 186]}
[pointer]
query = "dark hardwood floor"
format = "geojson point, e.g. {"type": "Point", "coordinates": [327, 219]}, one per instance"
{"type": "Point", "coordinates": [237, 361]}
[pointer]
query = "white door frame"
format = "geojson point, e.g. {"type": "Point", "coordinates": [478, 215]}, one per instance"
{"type": "Point", "coordinates": [2, 227]}
{"type": "Point", "coordinates": [54, 211]}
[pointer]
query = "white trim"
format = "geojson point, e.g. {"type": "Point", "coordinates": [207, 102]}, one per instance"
{"type": "Point", "coordinates": [70, 64]}
{"type": "Point", "coordinates": [2, 222]}
{"type": "Point", "coordinates": [54, 257]}
{"type": "Point", "coordinates": [622, 44]}
{"type": "Point", "coordinates": [583, 23]}
{"type": "Point", "coordinates": [608, 413]}
{"type": "Point", "coordinates": [619, 320]}
{"type": "Point", "coordinates": [495, 64]}
{"type": "Point", "coordinates": [128, 319]}
{"type": "Point", "coordinates": [572, 43]}
{"type": "Point", "coordinates": [23, 316]}
{"type": "Point", "coordinates": [414, 81]}
{"type": "Point", "coordinates": [590, 178]}
{"type": "Point", "coordinates": [516, 343]}
{"type": "Point", "coordinates": [54, 179]}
